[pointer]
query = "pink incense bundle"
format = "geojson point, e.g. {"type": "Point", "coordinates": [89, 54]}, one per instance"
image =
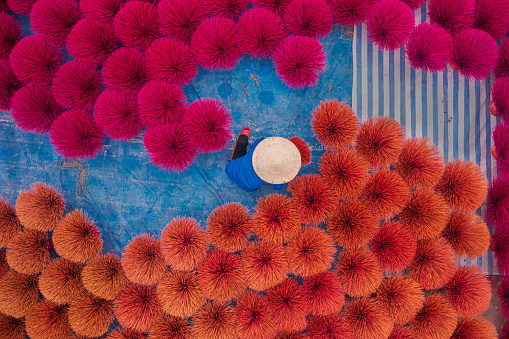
{"type": "Point", "coordinates": [160, 103]}
{"type": "Point", "coordinates": [503, 294]}
{"type": "Point", "coordinates": [390, 24]}
{"type": "Point", "coordinates": [103, 10]}
{"type": "Point", "coordinates": [230, 9]}
{"type": "Point", "coordinates": [500, 247]}
{"type": "Point", "coordinates": [492, 17]}
{"type": "Point", "coordinates": [172, 61]}
{"type": "Point", "coordinates": [275, 6]}
{"type": "Point", "coordinates": [216, 44]}
{"type": "Point", "coordinates": [116, 112]}
{"type": "Point", "coordinates": [429, 47]}
{"type": "Point", "coordinates": [505, 332]}
{"type": "Point", "coordinates": [34, 59]}
{"type": "Point", "coordinates": [260, 32]}
{"type": "Point", "coordinates": [22, 7]}
{"type": "Point", "coordinates": [351, 12]}
{"type": "Point", "coordinates": [497, 212]}
{"type": "Point", "coordinates": [76, 85]}
{"type": "Point", "coordinates": [209, 124]}
{"type": "Point", "coordinates": [475, 53]}
{"type": "Point", "coordinates": [54, 19]}
{"type": "Point", "coordinates": [126, 68]}
{"type": "Point", "coordinates": [500, 96]}
{"type": "Point", "coordinates": [91, 40]}
{"type": "Point", "coordinates": [414, 4]}
{"type": "Point", "coordinates": [179, 19]}
{"type": "Point", "coordinates": [74, 134]}
{"type": "Point", "coordinates": [9, 84]}
{"type": "Point", "coordinates": [299, 61]}
{"type": "Point", "coordinates": [502, 69]}
{"type": "Point", "coordinates": [34, 108]}
{"type": "Point", "coordinates": [137, 24]}
{"type": "Point", "coordinates": [454, 16]}
{"type": "Point", "coordinates": [312, 18]}
{"type": "Point", "coordinates": [500, 149]}
{"type": "Point", "coordinates": [169, 147]}
{"type": "Point", "coordinates": [10, 34]}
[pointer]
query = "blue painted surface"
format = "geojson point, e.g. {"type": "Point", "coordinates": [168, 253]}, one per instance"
{"type": "Point", "coordinates": [126, 195]}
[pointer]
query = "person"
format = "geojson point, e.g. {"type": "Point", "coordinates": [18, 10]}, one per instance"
{"type": "Point", "coordinates": [271, 161]}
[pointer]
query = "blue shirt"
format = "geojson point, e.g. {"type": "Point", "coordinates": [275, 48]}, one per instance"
{"type": "Point", "coordinates": [241, 171]}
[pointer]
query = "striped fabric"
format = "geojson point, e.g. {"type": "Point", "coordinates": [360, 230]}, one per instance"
{"type": "Point", "coordinates": [447, 108]}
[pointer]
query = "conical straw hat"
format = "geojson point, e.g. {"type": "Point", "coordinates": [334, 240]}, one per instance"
{"type": "Point", "coordinates": [276, 160]}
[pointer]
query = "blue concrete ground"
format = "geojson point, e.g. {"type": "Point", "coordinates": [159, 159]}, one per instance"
{"type": "Point", "coordinates": [126, 195]}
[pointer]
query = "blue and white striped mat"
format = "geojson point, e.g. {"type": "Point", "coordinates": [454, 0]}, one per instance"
{"type": "Point", "coordinates": [445, 107]}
